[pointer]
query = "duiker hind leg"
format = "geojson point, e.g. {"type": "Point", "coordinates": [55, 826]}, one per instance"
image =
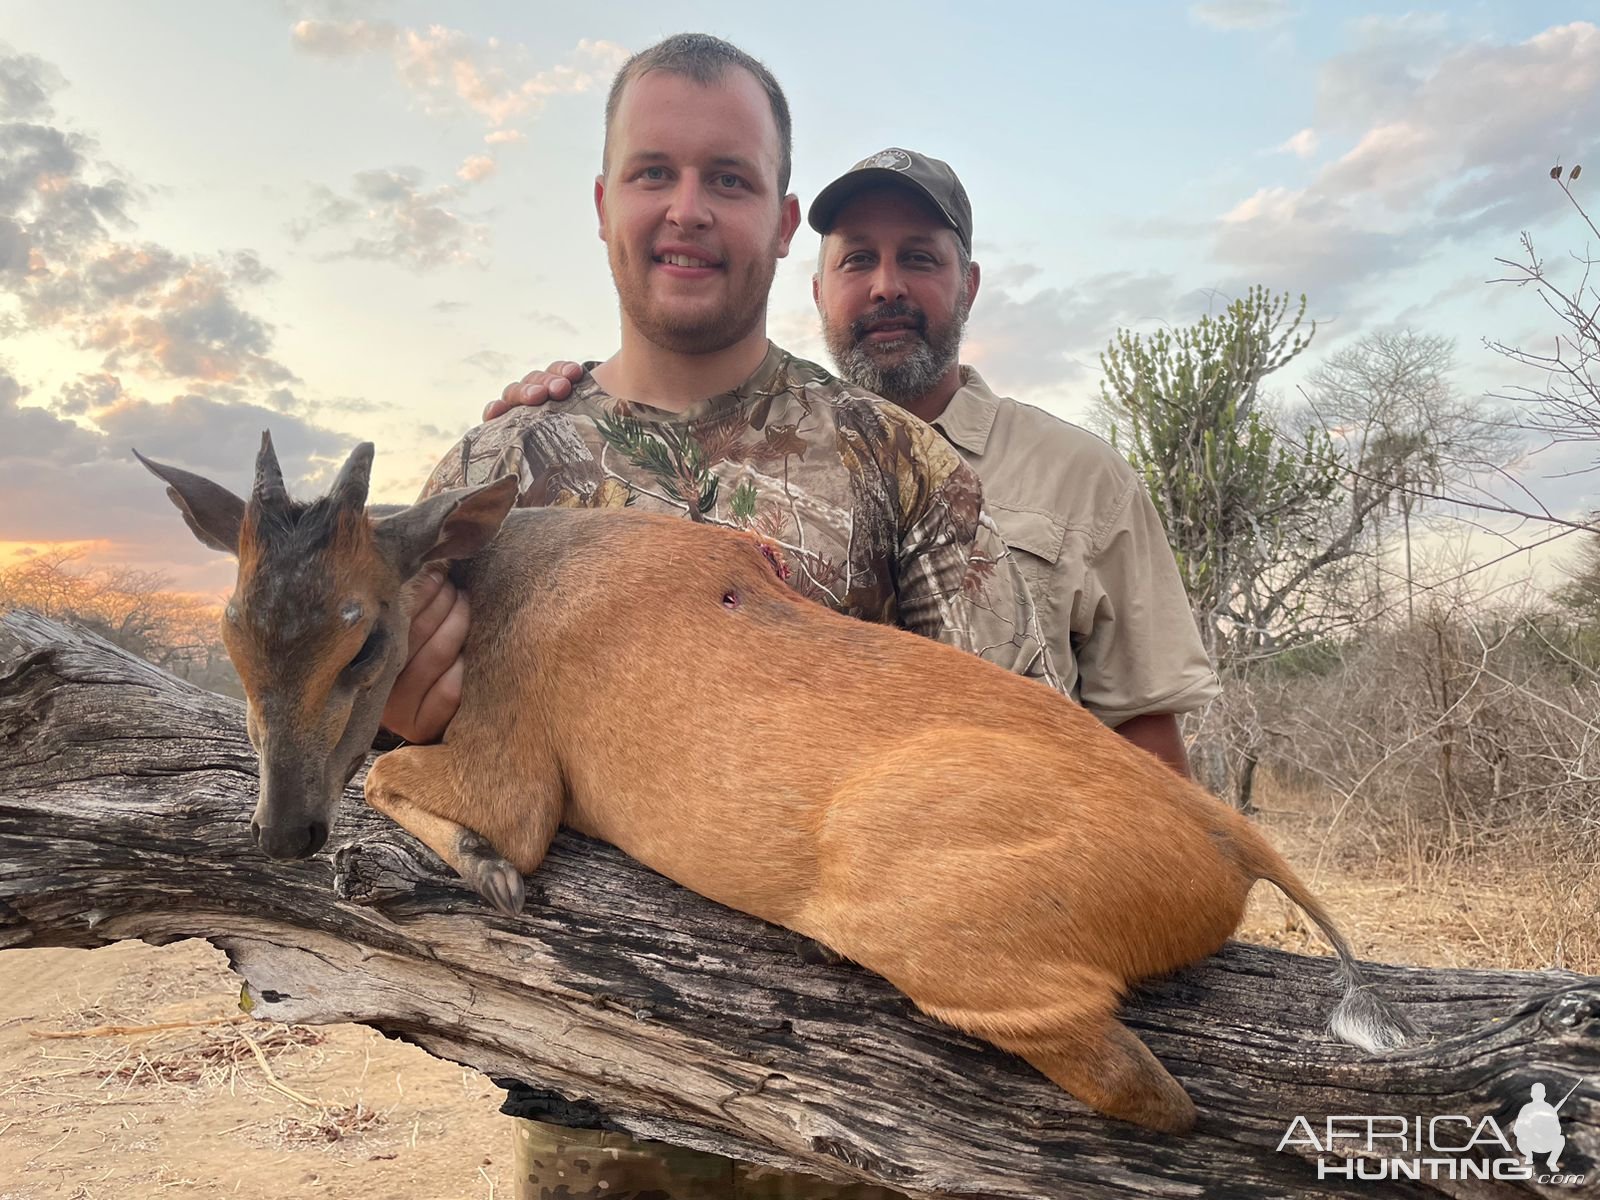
{"type": "Point", "coordinates": [1107, 1067]}
{"type": "Point", "coordinates": [418, 788]}
{"type": "Point", "coordinates": [1074, 1038]}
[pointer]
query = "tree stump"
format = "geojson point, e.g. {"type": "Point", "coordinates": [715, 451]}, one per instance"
{"type": "Point", "coordinates": [125, 800]}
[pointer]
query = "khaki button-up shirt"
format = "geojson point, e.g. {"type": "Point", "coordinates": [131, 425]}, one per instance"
{"type": "Point", "coordinates": [1093, 552]}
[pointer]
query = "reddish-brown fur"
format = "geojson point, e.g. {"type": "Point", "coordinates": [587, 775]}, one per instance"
{"type": "Point", "coordinates": [982, 842]}
{"type": "Point", "coordinates": [986, 845]}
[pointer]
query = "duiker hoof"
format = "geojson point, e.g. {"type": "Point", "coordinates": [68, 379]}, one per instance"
{"type": "Point", "coordinates": [491, 876]}
{"type": "Point", "coordinates": [499, 884]}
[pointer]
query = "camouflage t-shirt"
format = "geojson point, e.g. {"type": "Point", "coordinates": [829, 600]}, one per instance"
{"type": "Point", "coordinates": [857, 503]}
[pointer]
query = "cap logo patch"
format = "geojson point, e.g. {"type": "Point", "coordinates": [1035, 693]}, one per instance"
{"type": "Point", "coordinates": [890, 160]}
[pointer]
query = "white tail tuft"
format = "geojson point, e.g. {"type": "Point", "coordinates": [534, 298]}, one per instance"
{"type": "Point", "coordinates": [1366, 1020]}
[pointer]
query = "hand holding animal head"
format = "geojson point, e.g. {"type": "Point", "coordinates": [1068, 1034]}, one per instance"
{"type": "Point", "coordinates": [317, 622]}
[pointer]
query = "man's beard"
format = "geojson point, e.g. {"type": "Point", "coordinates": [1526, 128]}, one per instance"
{"type": "Point", "coordinates": [708, 331]}
{"type": "Point", "coordinates": [934, 351]}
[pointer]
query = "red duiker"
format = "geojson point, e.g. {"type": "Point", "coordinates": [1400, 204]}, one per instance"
{"type": "Point", "coordinates": [982, 842]}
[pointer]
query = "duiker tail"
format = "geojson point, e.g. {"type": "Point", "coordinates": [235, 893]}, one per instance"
{"type": "Point", "coordinates": [1362, 1018]}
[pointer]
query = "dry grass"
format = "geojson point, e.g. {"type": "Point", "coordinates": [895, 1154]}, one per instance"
{"type": "Point", "coordinates": [1513, 910]}
{"type": "Point", "coordinates": [204, 1058]}
{"type": "Point", "coordinates": [1444, 772]}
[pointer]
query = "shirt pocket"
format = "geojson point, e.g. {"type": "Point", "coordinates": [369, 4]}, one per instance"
{"type": "Point", "coordinates": [1037, 539]}
{"type": "Point", "coordinates": [1037, 534]}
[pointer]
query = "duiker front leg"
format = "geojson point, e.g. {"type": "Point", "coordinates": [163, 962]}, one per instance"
{"type": "Point", "coordinates": [417, 787]}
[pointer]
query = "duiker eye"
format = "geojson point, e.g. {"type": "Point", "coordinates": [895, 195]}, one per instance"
{"type": "Point", "coordinates": [367, 655]}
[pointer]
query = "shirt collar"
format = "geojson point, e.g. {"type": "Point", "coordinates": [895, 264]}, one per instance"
{"type": "Point", "coordinates": [969, 417]}
{"type": "Point", "coordinates": [711, 408]}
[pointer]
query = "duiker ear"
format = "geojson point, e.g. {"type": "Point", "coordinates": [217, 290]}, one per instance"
{"type": "Point", "coordinates": [211, 510]}
{"type": "Point", "coordinates": [454, 524]}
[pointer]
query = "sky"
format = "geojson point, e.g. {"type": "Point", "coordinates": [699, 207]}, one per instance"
{"type": "Point", "coordinates": [350, 220]}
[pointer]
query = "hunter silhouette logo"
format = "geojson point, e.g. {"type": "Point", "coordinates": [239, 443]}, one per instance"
{"type": "Point", "coordinates": [1538, 1128]}
{"type": "Point", "coordinates": [1453, 1146]}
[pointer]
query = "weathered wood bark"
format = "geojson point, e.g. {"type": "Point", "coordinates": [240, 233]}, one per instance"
{"type": "Point", "coordinates": [125, 797]}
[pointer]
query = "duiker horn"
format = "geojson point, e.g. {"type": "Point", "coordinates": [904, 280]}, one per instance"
{"type": "Point", "coordinates": [268, 491]}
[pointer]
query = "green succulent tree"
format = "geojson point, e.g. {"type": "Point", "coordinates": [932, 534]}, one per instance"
{"type": "Point", "coordinates": [1251, 516]}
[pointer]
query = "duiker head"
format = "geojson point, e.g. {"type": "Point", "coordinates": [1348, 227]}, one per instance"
{"type": "Point", "coordinates": [317, 622]}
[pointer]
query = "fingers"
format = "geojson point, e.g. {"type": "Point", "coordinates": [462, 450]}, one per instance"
{"type": "Point", "coordinates": [428, 691]}
{"type": "Point", "coordinates": [431, 601]}
{"type": "Point", "coordinates": [439, 706]}
{"type": "Point", "coordinates": [536, 387]}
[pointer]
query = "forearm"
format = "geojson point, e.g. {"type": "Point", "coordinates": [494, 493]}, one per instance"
{"type": "Point", "coordinates": [1158, 733]}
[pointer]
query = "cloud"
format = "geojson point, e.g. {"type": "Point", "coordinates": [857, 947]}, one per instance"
{"type": "Point", "coordinates": [32, 434]}
{"type": "Point", "coordinates": [553, 321]}
{"type": "Point", "coordinates": [495, 363]}
{"type": "Point", "coordinates": [476, 168]}
{"type": "Point", "coordinates": [1053, 337]}
{"type": "Point", "coordinates": [1389, 59]}
{"type": "Point", "coordinates": [188, 324]}
{"type": "Point", "coordinates": [394, 219]}
{"type": "Point", "coordinates": [143, 307]}
{"type": "Point", "coordinates": [47, 202]}
{"type": "Point", "coordinates": [65, 482]}
{"type": "Point", "coordinates": [87, 393]}
{"type": "Point", "coordinates": [220, 437]}
{"type": "Point", "coordinates": [1303, 242]}
{"type": "Point", "coordinates": [1446, 141]}
{"type": "Point", "coordinates": [26, 84]}
{"type": "Point", "coordinates": [504, 137]}
{"type": "Point", "coordinates": [336, 39]}
{"type": "Point", "coordinates": [1301, 145]}
{"type": "Point", "coordinates": [1240, 14]}
{"type": "Point", "coordinates": [448, 70]}
{"type": "Point", "coordinates": [74, 270]}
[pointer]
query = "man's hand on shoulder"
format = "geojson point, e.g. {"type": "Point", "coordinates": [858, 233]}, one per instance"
{"type": "Point", "coordinates": [533, 389]}
{"type": "Point", "coordinates": [428, 690]}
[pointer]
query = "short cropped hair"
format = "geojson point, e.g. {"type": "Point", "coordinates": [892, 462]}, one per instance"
{"type": "Point", "coordinates": [705, 60]}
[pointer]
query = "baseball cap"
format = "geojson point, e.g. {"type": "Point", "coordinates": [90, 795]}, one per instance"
{"type": "Point", "coordinates": [927, 177]}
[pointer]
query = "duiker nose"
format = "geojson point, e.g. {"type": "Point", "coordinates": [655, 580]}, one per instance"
{"type": "Point", "coordinates": [292, 841]}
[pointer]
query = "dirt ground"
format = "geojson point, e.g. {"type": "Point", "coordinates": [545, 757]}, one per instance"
{"type": "Point", "coordinates": [217, 1107]}
{"type": "Point", "coordinates": [193, 1112]}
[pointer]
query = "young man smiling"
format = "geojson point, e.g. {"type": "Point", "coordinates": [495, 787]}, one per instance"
{"type": "Point", "coordinates": [856, 503]}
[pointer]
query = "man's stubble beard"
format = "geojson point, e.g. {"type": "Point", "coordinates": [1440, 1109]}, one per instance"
{"type": "Point", "coordinates": [933, 353]}
{"type": "Point", "coordinates": [743, 310]}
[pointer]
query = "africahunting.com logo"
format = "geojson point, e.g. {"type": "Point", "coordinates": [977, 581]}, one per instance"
{"type": "Point", "coordinates": [1442, 1147]}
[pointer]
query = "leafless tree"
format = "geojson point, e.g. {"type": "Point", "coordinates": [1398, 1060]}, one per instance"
{"type": "Point", "coordinates": [1467, 741]}
{"type": "Point", "coordinates": [1566, 405]}
{"type": "Point", "coordinates": [137, 610]}
{"type": "Point", "coordinates": [1408, 434]}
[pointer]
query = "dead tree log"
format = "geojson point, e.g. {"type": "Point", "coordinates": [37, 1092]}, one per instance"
{"type": "Point", "coordinates": [125, 797]}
